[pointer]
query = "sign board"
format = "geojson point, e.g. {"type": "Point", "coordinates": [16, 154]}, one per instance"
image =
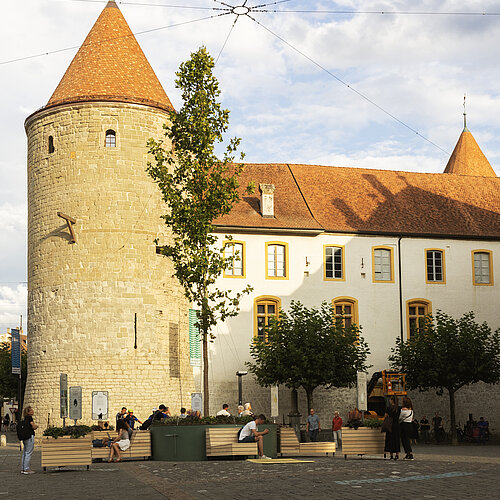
{"type": "Point", "coordinates": [63, 391]}
{"type": "Point", "coordinates": [274, 401]}
{"type": "Point", "coordinates": [99, 405]}
{"type": "Point", "coordinates": [16, 351]}
{"type": "Point", "coordinates": [75, 403]}
{"type": "Point", "coordinates": [362, 399]}
{"type": "Point", "coordinates": [197, 401]}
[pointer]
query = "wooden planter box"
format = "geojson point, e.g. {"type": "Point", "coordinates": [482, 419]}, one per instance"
{"type": "Point", "coordinates": [65, 451]}
{"type": "Point", "coordinates": [362, 441]}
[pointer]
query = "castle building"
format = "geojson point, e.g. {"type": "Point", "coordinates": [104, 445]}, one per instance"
{"type": "Point", "coordinates": [385, 247]}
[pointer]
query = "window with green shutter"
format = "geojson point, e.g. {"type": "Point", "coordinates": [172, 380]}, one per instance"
{"type": "Point", "coordinates": [194, 339]}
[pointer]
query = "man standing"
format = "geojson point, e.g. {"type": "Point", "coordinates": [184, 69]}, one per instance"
{"type": "Point", "coordinates": [224, 411]}
{"type": "Point", "coordinates": [313, 426]}
{"type": "Point", "coordinates": [250, 434]}
{"type": "Point", "coordinates": [425, 428]}
{"type": "Point", "coordinates": [337, 429]}
{"type": "Point", "coordinates": [437, 423]}
{"type": "Point", "coordinates": [131, 419]}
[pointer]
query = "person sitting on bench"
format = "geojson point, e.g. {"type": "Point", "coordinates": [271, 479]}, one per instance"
{"type": "Point", "coordinates": [251, 434]}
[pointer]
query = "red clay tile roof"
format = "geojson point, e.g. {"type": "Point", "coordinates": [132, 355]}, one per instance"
{"type": "Point", "coordinates": [357, 200]}
{"type": "Point", "coordinates": [110, 66]}
{"type": "Point", "coordinates": [468, 159]}
{"type": "Point", "coordinates": [290, 209]}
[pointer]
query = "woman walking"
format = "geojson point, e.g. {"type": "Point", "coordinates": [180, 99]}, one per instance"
{"type": "Point", "coordinates": [28, 441]}
{"type": "Point", "coordinates": [406, 425]}
{"type": "Point", "coordinates": [392, 438]}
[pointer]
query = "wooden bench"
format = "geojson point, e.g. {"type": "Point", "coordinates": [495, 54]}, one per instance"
{"type": "Point", "coordinates": [140, 445]}
{"type": "Point", "coordinates": [289, 445]}
{"type": "Point", "coordinates": [224, 442]}
{"type": "Point", "coordinates": [65, 451]}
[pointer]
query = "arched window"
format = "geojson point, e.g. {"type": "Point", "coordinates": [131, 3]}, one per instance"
{"type": "Point", "coordinates": [110, 139]}
{"type": "Point", "coordinates": [265, 308]}
{"type": "Point", "coordinates": [346, 310]}
{"type": "Point", "coordinates": [51, 145]}
{"type": "Point", "coordinates": [417, 310]}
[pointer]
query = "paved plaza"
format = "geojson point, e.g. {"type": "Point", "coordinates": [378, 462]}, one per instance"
{"type": "Point", "coordinates": [440, 472]}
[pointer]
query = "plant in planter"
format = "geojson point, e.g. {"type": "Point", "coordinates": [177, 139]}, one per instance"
{"type": "Point", "coordinates": [75, 431]}
{"type": "Point", "coordinates": [218, 420]}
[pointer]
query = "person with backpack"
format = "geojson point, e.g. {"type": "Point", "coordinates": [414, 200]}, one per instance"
{"type": "Point", "coordinates": [26, 433]}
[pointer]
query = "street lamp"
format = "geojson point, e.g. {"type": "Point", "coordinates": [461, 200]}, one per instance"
{"type": "Point", "coordinates": [240, 375]}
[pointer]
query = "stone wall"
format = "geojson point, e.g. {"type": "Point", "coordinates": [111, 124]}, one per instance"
{"type": "Point", "coordinates": [83, 296]}
{"type": "Point", "coordinates": [479, 399]}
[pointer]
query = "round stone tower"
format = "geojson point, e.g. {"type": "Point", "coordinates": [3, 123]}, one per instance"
{"type": "Point", "coordinates": [103, 306]}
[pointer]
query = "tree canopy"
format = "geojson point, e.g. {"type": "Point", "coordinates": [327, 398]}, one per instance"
{"type": "Point", "coordinates": [447, 354]}
{"type": "Point", "coordinates": [197, 188]}
{"type": "Point", "coordinates": [308, 348]}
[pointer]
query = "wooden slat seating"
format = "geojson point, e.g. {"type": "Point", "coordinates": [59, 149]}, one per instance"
{"type": "Point", "coordinates": [290, 445]}
{"type": "Point", "coordinates": [65, 451]}
{"type": "Point", "coordinates": [362, 441]}
{"type": "Point", "coordinates": [224, 442]}
{"type": "Point", "coordinates": [140, 445]}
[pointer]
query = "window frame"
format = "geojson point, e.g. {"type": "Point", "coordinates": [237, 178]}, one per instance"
{"type": "Point", "coordinates": [443, 265]}
{"type": "Point", "coordinates": [111, 135]}
{"type": "Point", "coordinates": [416, 302]}
{"type": "Point", "coordinates": [342, 247]}
{"type": "Point", "coordinates": [490, 261]}
{"type": "Point", "coordinates": [391, 258]}
{"type": "Point", "coordinates": [347, 301]}
{"type": "Point", "coordinates": [242, 258]}
{"type": "Point", "coordinates": [266, 299]}
{"type": "Point", "coordinates": [285, 245]}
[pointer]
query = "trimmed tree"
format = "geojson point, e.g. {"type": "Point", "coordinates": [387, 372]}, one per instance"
{"type": "Point", "coordinates": [447, 354]}
{"type": "Point", "coordinates": [197, 188]}
{"type": "Point", "coordinates": [308, 348]}
{"type": "Point", "coordinates": [9, 382]}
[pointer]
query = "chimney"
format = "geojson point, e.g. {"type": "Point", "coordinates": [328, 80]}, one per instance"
{"type": "Point", "coordinates": [267, 200]}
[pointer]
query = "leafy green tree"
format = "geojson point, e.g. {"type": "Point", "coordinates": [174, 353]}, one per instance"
{"type": "Point", "coordinates": [197, 188]}
{"type": "Point", "coordinates": [448, 353]}
{"type": "Point", "coordinates": [9, 382]}
{"type": "Point", "coordinates": [308, 348]}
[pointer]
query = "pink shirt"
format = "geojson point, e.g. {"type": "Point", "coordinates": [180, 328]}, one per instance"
{"type": "Point", "coordinates": [337, 423]}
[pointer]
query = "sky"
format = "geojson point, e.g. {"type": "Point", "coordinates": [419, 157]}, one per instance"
{"type": "Point", "coordinates": [312, 82]}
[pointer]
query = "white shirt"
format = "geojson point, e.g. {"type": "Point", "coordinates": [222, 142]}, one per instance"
{"type": "Point", "coordinates": [223, 412]}
{"type": "Point", "coordinates": [247, 430]}
{"type": "Point", "coordinates": [406, 416]}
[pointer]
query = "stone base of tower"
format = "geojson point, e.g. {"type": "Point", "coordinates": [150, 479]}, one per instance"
{"type": "Point", "coordinates": [137, 382]}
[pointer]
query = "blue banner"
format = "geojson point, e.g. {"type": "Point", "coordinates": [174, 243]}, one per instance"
{"type": "Point", "coordinates": [15, 351]}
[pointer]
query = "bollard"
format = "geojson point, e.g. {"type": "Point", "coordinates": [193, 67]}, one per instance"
{"type": "Point", "coordinates": [3, 440]}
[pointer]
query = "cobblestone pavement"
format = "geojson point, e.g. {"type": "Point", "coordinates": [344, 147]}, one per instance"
{"type": "Point", "coordinates": [441, 472]}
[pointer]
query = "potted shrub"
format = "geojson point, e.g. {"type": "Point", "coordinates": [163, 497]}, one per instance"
{"type": "Point", "coordinates": [183, 439]}
{"type": "Point", "coordinates": [363, 438]}
{"type": "Point", "coordinates": [63, 446]}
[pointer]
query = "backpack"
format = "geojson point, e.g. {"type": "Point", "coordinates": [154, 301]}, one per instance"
{"type": "Point", "coordinates": [239, 433]}
{"type": "Point", "coordinates": [24, 430]}
{"type": "Point", "coordinates": [147, 424]}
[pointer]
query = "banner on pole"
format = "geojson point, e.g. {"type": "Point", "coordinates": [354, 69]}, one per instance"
{"type": "Point", "coordinates": [362, 399]}
{"type": "Point", "coordinates": [274, 401]}
{"type": "Point", "coordinates": [15, 342]}
{"type": "Point", "coordinates": [63, 393]}
{"type": "Point", "coordinates": [99, 405]}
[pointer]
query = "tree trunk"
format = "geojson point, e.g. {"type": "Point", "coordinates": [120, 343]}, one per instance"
{"type": "Point", "coordinates": [453, 429]}
{"type": "Point", "coordinates": [310, 400]}
{"type": "Point", "coordinates": [206, 397]}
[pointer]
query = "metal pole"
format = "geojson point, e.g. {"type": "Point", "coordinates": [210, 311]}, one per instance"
{"type": "Point", "coordinates": [240, 390]}
{"type": "Point", "coordinates": [19, 382]}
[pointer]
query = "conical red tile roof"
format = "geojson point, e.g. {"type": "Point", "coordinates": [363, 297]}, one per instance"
{"type": "Point", "coordinates": [110, 66]}
{"type": "Point", "coordinates": [468, 159]}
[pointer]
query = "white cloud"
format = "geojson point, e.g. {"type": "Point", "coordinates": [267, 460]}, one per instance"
{"type": "Point", "coordinates": [12, 306]}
